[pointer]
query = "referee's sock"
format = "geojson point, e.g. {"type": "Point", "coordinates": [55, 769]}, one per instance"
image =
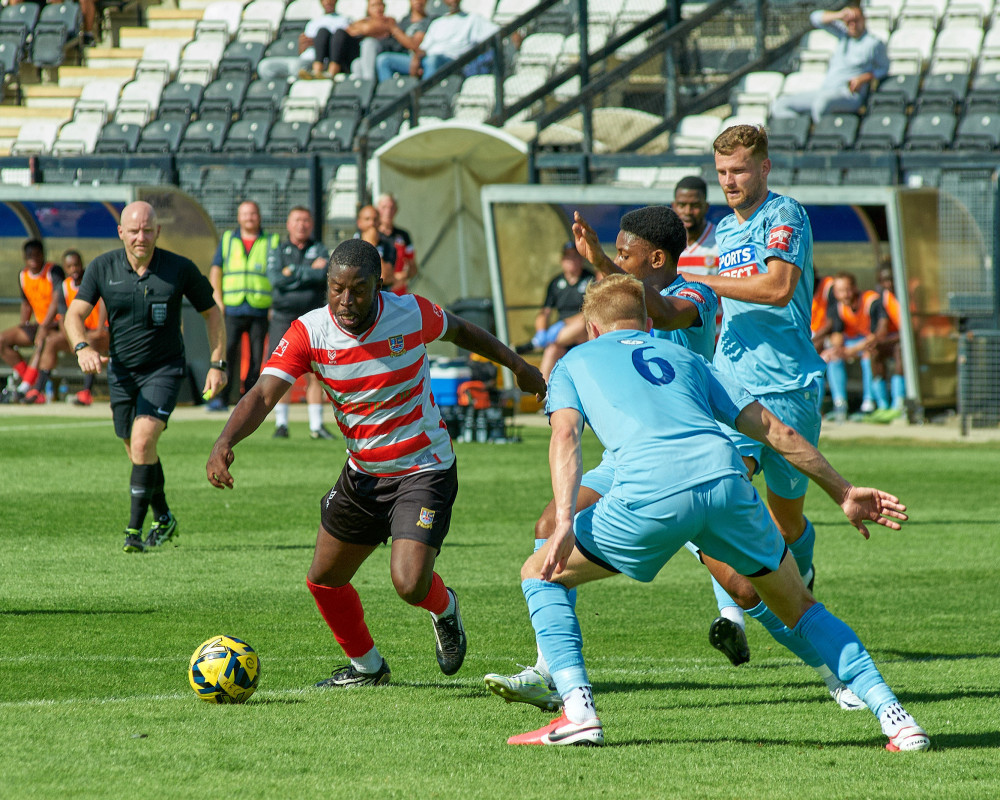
{"type": "Point", "coordinates": [158, 500]}
{"type": "Point", "coordinates": [141, 489]}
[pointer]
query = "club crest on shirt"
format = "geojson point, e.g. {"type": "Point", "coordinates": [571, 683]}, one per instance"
{"type": "Point", "coordinates": [331, 356]}
{"type": "Point", "coordinates": [279, 351]}
{"type": "Point", "coordinates": [396, 346]}
{"type": "Point", "coordinates": [778, 238]}
{"type": "Point", "coordinates": [426, 518]}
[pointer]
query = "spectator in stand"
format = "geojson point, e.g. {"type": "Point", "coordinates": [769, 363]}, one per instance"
{"type": "Point", "coordinates": [405, 37]}
{"type": "Point", "coordinates": [405, 267]}
{"type": "Point", "coordinates": [448, 37]}
{"type": "Point", "coordinates": [283, 67]}
{"type": "Point", "coordinates": [858, 59]}
{"type": "Point", "coordinates": [39, 282]}
{"type": "Point", "coordinates": [564, 295]}
{"type": "Point", "coordinates": [368, 229]}
{"type": "Point", "coordinates": [96, 323]}
{"type": "Point", "coordinates": [339, 48]}
{"type": "Point", "coordinates": [241, 288]}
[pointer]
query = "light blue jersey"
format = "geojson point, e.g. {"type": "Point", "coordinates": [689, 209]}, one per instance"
{"type": "Point", "coordinates": [698, 338]}
{"type": "Point", "coordinates": [655, 411]}
{"type": "Point", "coordinates": [768, 349]}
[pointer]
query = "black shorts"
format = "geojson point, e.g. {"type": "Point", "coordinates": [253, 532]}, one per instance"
{"type": "Point", "coordinates": [143, 393]}
{"type": "Point", "coordinates": [363, 509]}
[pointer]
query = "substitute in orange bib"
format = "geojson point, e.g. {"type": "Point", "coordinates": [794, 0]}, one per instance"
{"type": "Point", "coordinates": [96, 322]}
{"type": "Point", "coordinates": [39, 283]}
{"type": "Point", "coordinates": [367, 346]}
{"type": "Point", "coordinates": [850, 339]}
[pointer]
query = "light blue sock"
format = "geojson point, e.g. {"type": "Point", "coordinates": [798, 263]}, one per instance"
{"type": "Point", "coordinates": [557, 632]}
{"type": "Point", "coordinates": [843, 652]}
{"type": "Point", "coordinates": [878, 391]}
{"type": "Point", "coordinates": [836, 376]}
{"type": "Point", "coordinates": [539, 543]}
{"type": "Point", "coordinates": [722, 598]}
{"type": "Point", "coordinates": [866, 380]}
{"type": "Point", "coordinates": [783, 636]}
{"type": "Point", "coordinates": [898, 388]}
{"type": "Point", "coordinates": [802, 548]}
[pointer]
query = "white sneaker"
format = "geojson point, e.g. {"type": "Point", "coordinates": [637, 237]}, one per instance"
{"type": "Point", "coordinates": [846, 699]}
{"type": "Point", "coordinates": [868, 406]}
{"type": "Point", "coordinates": [528, 686]}
{"type": "Point", "coordinates": [902, 730]}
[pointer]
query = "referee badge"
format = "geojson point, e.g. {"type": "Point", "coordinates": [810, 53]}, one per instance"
{"type": "Point", "coordinates": [426, 518]}
{"type": "Point", "coordinates": [397, 348]}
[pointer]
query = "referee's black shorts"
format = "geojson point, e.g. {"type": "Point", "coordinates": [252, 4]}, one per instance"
{"type": "Point", "coordinates": [367, 510]}
{"type": "Point", "coordinates": [149, 392]}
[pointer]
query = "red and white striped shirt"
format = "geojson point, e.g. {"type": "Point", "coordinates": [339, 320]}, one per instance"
{"type": "Point", "coordinates": [702, 256]}
{"type": "Point", "coordinates": [378, 382]}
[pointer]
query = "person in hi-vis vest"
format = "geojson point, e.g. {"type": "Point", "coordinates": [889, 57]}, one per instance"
{"type": "Point", "coordinates": [239, 279]}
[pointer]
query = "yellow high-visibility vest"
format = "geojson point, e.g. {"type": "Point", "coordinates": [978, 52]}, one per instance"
{"type": "Point", "coordinates": [244, 275]}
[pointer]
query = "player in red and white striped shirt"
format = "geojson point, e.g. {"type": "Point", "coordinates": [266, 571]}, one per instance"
{"type": "Point", "coordinates": [367, 347]}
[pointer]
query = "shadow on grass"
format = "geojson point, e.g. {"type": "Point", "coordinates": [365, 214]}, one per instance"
{"type": "Point", "coordinates": [911, 655]}
{"type": "Point", "coordinates": [238, 547]}
{"type": "Point", "coordinates": [30, 612]}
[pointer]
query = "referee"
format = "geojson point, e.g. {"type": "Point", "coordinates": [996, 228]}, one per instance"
{"type": "Point", "coordinates": [143, 288]}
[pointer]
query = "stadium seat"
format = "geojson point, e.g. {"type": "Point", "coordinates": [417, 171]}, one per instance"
{"type": "Point", "coordinates": [910, 49]}
{"type": "Point", "coordinates": [881, 131]}
{"type": "Point", "coordinates": [895, 93]}
{"type": "Point", "coordinates": [540, 50]}
{"type": "Point", "coordinates": [943, 91]}
{"type": "Point", "coordinates": [978, 131]}
{"type": "Point", "coordinates": [926, 13]}
{"type": "Point", "coordinates": [815, 50]}
{"type": "Point", "coordinates": [149, 176]}
{"type": "Point", "coordinates": [288, 137]}
{"type": "Point", "coordinates": [99, 175]}
{"type": "Point", "coordinates": [48, 44]}
{"type": "Point", "coordinates": [695, 134]}
{"type": "Point", "coordinates": [984, 94]}
{"type": "Point", "coordinates": [139, 102]}
{"type": "Point", "coordinates": [223, 96]}
{"type": "Point", "coordinates": [956, 49]}
{"type": "Point", "coordinates": [118, 138]}
{"type": "Point", "coordinates": [335, 132]}
{"type": "Point", "coordinates": [274, 177]}
{"type": "Point", "coordinates": [834, 132]}
{"type": "Point", "coordinates": [381, 133]}
{"type": "Point", "coordinates": [246, 135]}
{"type": "Point", "coordinates": [190, 176]}
{"type": "Point", "coordinates": [817, 176]}
{"type": "Point", "coordinates": [200, 61]}
{"type": "Point", "coordinates": [264, 96]}
{"type": "Point", "coordinates": [790, 133]}
{"type": "Point", "coordinates": [283, 47]}
{"type": "Point", "coordinates": [260, 21]}
{"type": "Point", "coordinates": [220, 20]}
{"type": "Point", "coordinates": [11, 50]}
{"type": "Point", "coordinates": [226, 179]}
{"type": "Point", "coordinates": [38, 137]}
{"type": "Point", "coordinates": [388, 91]}
{"type": "Point", "coordinates": [66, 14]}
{"type": "Point", "coordinates": [351, 93]}
{"type": "Point", "coordinates": [160, 136]}
{"type": "Point", "coordinates": [781, 176]}
{"type": "Point", "coordinates": [439, 100]}
{"type": "Point", "coordinates": [180, 100]}
{"type": "Point", "coordinates": [869, 176]}
{"type": "Point", "coordinates": [160, 61]}
{"type": "Point", "coordinates": [76, 138]}
{"type": "Point", "coordinates": [756, 90]}
{"type": "Point", "coordinates": [930, 130]}
{"type": "Point", "coordinates": [98, 101]}
{"type": "Point", "coordinates": [204, 136]}
{"type": "Point", "coordinates": [241, 58]}
{"type": "Point", "coordinates": [23, 15]}
{"type": "Point", "coordinates": [305, 100]}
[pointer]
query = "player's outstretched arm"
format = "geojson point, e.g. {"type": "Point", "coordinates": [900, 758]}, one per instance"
{"type": "Point", "coordinates": [857, 503]}
{"type": "Point", "coordinates": [566, 466]}
{"type": "Point", "coordinates": [476, 340]}
{"type": "Point", "coordinates": [245, 419]}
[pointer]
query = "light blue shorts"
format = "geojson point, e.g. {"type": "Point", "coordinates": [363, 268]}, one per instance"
{"type": "Point", "coordinates": [600, 477]}
{"type": "Point", "coordinates": [799, 410]}
{"type": "Point", "coordinates": [724, 517]}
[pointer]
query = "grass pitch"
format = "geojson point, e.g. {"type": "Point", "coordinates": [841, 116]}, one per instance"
{"type": "Point", "coordinates": [94, 644]}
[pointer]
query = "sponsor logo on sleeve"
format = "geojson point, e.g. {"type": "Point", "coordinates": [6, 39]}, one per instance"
{"type": "Point", "coordinates": [689, 293]}
{"type": "Point", "coordinates": [279, 351]}
{"type": "Point", "coordinates": [779, 237]}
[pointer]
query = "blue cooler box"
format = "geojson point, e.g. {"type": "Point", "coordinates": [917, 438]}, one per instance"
{"type": "Point", "coordinates": [446, 375]}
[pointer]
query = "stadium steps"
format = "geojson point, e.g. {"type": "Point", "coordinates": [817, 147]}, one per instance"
{"type": "Point", "coordinates": [17, 116]}
{"type": "Point", "coordinates": [132, 37]}
{"type": "Point", "coordinates": [103, 57]}
{"type": "Point", "coordinates": [7, 136]}
{"type": "Point", "coordinates": [49, 96]}
{"type": "Point", "coordinates": [81, 76]}
{"type": "Point", "coordinates": [158, 18]}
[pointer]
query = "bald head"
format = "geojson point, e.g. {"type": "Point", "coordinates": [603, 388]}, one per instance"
{"type": "Point", "coordinates": [139, 231]}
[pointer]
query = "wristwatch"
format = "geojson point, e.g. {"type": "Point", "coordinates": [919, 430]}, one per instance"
{"type": "Point", "coordinates": [80, 346]}
{"type": "Point", "coordinates": [218, 365]}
